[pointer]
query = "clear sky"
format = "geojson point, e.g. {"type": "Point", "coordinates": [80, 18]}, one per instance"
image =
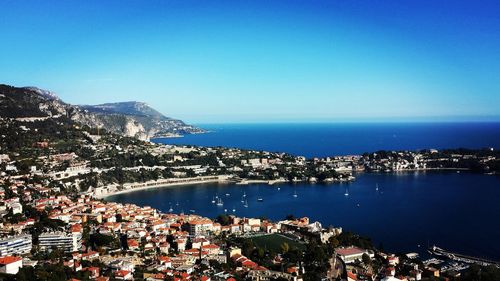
{"type": "Point", "coordinates": [262, 61]}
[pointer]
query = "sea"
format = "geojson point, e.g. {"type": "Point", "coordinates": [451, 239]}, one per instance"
{"type": "Point", "coordinates": [408, 212]}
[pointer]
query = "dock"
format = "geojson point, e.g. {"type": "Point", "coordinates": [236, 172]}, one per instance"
{"type": "Point", "coordinates": [461, 257]}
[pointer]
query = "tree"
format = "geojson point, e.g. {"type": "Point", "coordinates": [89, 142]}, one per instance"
{"type": "Point", "coordinates": [334, 242]}
{"type": "Point", "coordinates": [366, 259]}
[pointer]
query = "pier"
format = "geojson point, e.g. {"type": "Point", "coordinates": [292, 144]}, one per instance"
{"type": "Point", "coordinates": [460, 257]}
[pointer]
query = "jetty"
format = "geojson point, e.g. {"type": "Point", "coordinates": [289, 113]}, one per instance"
{"type": "Point", "coordinates": [461, 257]}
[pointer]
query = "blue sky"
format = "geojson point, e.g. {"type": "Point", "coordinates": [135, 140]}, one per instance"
{"type": "Point", "coordinates": [262, 61]}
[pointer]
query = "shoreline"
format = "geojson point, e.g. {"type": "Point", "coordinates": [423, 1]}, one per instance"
{"type": "Point", "coordinates": [224, 179]}
{"type": "Point", "coordinates": [132, 187]}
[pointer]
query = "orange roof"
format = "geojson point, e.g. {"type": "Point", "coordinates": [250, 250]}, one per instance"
{"type": "Point", "coordinates": [9, 260]}
{"type": "Point", "coordinates": [122, 273]}
{"type": "Point", "coordinates": [351, 275]}
{"type": "Point", "coordinates": [210, 246]}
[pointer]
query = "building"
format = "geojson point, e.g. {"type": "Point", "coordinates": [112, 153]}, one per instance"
{"type": "Point", "coordinates": [10, 264]}
{"type": "Point", "coordinates": [17, 245]}
{"type": "Point", "coordinates": [351, 254]}
{"type": "Point", "coordinates": [199, 227]}
{"type": "Point", "coordinates": [67, 242]}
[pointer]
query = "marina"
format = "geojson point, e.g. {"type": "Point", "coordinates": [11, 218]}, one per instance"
{"type": "Point", "coordinates": [434, 250]}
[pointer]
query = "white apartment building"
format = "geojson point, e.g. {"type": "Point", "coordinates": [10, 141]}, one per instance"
{"type": "Point", "coordinates": [68, 242]}
{"type": "Point", "coordinates": [16, 245]}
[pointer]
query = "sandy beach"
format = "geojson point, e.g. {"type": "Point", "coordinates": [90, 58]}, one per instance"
{"type": "Point", "coordinates": [131, 187]}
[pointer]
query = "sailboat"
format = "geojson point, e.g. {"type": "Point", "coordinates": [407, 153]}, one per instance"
{"type": "Point", "coordinates": [376, 187]}
{"type": "Point", "coordinates": [346, 192]}
{"type": "Point", "coordinates": [234, 209]}
{"type": "Point", "coordinates": [295, 194]}
{"type": "Point", "coordinates": [244, 194]}
{"type": "Point", "coordinates": [219, 202]}
{"type": "Point", "coordinates": [246, 204]}
{"type": "Point", "coordinates": [213, 200]}
{"type": "Point", "coordinates": [171, 209]}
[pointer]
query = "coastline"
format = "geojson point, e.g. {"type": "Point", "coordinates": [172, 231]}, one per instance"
{"type": "Point", "coordinates": [176, 182]}
{"type": "Point", "coordinates": [132, 187]}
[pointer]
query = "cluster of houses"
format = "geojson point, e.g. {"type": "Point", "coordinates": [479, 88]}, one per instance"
{"type": "Point", "coordinates": [165, 244]}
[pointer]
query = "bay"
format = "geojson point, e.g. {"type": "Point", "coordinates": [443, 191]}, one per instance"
{"type": "Point", "coordinates": [409, 212]}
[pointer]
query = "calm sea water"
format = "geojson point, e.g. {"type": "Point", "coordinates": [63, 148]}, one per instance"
{"type": "Point", "coordinates": [319, 140]}
{"type": "Point", "coordinates": [409, 211]}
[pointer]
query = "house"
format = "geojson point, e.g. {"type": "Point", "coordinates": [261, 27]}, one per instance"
{"type": "Point", "coordinates": [10, 264]}
{"type": "Point", "coordinates": [133, 244]}
{"type": "Point", "coordinates": [351, 254]}
{"type": "Point", "coordinates": [124, 275]}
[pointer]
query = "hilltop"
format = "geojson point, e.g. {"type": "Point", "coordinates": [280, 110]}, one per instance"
{"type": "Point", "coordinates": [132, 119]}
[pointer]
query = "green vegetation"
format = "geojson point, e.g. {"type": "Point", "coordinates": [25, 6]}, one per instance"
{"type": "Point", "coordinates": [276, 242]}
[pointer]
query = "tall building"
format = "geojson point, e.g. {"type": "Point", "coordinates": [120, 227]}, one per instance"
{"type": "Point", "coordinates": [16, 245]}
{"type": "Point", "coordinates": [68, 242]}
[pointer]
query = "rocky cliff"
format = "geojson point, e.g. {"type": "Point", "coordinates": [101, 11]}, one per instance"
{"type": "Point", "coordinates": [134, 119]}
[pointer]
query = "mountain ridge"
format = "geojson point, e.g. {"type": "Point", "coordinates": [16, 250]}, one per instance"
{"type": "Point", "coordinates": [133, 119]}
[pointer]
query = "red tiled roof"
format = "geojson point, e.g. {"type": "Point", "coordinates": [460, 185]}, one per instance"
{"type": "Point", "coordinates": [9, 260]}
{"type": "Point", "coordinates": [349, 251]}
{"type": "Point", "coordinates": [351, 275]}
{"type": "Point", "coordinates": [122, 273]}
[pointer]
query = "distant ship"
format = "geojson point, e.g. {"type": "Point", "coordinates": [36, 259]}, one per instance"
{"type": "Point", "coordinates": [246, 204]}
{"type": "Point", "coordinates": [260, 199]}
{"type": "Point", "coordinates": [295, 194]}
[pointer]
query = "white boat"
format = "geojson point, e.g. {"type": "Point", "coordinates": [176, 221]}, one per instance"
{"type": "Point", "coordinates": [376, 187]}
{"type": "Point", "coordinates": [295, 194]}
{"type": "Point", "coordinates": [227, 194]}
{"type": "Point", "coordinates": [213, 200]}
{"type": "Point", "coordinates": [244, 194]}
{"type": "Point", "coordinates": [170, 210]}
{"type": "Point", "coordinates": [246, 204]}
{"type": "Point", "coordinates": [260, 199]}
{"type": "Point", "coordinates": [234, 210]}
{"type": "Point", "coordinates": [219, 202]}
